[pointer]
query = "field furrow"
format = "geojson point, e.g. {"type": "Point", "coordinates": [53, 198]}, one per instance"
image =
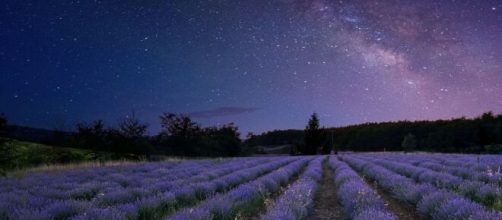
{"type": "Point", "coordinates": [356, 186]}
{"type": "Point", "coordinates": [297, 201]}
{"type": "Point", "coordinates": [327, 205]}
{"type": "Point", "coordinates": [245, 196]}
{"type": "Point", "coordinates": [359, 200]}
{"type": "Point", "coordinates": [485, 194]}
{"type": "Point", "coordinates": [430, 201]}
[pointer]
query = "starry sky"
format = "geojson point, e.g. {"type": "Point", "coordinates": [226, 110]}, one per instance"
{"type": "Point", "coordinates": [261, 64]}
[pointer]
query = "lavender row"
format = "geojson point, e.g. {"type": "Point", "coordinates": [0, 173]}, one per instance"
{"type": "Point", "coordinates": [430, 201]}
{"type": "Point", "coordinates": [485, 167]}
{"type": "Point", "coordinates": [476, 162]}
{"type": "Point", "coordinates": [488, 176]}
{"type": "Point", "coordinates": [156, 206]}
{"type": "Point", "coordinates": [69, 186]}
{"type": "Point", "coordinates": [78, 196]}
{"type": "Point", "coordinates": [226, 206]}
{"type": "Point", "coordinates": [454, 164]}
{"type": "Point", "coordinates": [486, 194]}
{"type": "Point", "coordinates": [484, 174]}
{"type": "Point", "coordinates": [297, 201]}
{"type": "Point", "coordinates": [359, 200]}
{"type": "Point", "coordinates": [117, 175]}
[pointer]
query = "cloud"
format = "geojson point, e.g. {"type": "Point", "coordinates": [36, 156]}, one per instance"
{"type": "Point", "coordinates": [221, 112]}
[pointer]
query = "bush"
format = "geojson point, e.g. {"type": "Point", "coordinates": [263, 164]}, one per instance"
{"type": "Point", "coordinates": [493, 149]}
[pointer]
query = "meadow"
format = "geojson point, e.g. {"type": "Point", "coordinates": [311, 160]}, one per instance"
{"type": "Point", "coordinates": [359, 186]}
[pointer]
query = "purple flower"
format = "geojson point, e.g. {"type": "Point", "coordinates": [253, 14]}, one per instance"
{"type": "Point", "coordinates": [456, 208]}
{"type": "Point", "coordinates": [63, 209]}
{"type": "Point", "coordinates": [374, 214]}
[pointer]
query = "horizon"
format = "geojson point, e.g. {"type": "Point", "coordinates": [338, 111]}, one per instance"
{"type": "Point", "coordinates": [243, 135]}
{"type": "Point", "coordinates": [262, 65]}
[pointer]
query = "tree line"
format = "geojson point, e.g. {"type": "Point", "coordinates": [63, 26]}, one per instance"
{"type": "Point", "coordinates": [482, 134]}
{"type": "Point", "coordinates": [179, 136]}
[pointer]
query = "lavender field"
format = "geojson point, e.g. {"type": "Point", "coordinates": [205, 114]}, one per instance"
{"type": "Point", "coordinates": [361, 186]}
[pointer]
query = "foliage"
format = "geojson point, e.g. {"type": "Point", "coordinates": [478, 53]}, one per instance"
{"type": "Point", "coordinates": [178, 126]}
{"type": "Point", "coordinates": [409, 143]}
{"type": "Point", "coordinates": [493, 148]}
{"type": "Point", "coordinates": [276, 137]}
{"type": "Point", "coordinates": [18, 154]}
{"type": "Point", "coordinates": [129, 138]}
{"type": "Point", "coordinates": [454, 135]}
{"type": "Point", "coordinates": [181, 136]}
{"type": "Point", "coordinates": [313, 136]}
{"type": "Point", "coordinates": [92, 136]}
{"type": "Point", "coordinates": [131, 127]}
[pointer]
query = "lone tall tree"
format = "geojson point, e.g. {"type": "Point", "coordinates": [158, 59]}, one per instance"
{"type": "Point", "coordinates": [313, 135]}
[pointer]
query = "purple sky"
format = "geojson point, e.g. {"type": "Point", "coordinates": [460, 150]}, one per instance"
{"type": "Point", "coordinates": [261, 64]}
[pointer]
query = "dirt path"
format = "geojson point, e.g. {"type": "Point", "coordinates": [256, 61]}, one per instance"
{"type": "Point", "coordinates": [326, 204]}
{"type": "Point", "coordinates": [402, 210]}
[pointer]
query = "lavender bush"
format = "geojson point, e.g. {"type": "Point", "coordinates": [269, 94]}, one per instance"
{"type": "Point", "coordinates": [226, 206]}
{"type": "Point", "coordinates": [430, 201]}
{"type": "Point", "coordinates": [358, 199]}
{"type": "Point", "coordinates": [298, 199]}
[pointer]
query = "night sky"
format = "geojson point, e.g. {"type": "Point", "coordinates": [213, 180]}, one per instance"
{"type": "Point", "coordinates": [261, 64]}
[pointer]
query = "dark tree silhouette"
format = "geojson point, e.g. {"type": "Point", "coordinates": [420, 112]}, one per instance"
{"type": "Point", "coordinates": [462, 135]}
{"type": "Point", "coordinates": [178, 125]}
{"type": "Point", "coordinates": [131, 127]}
{"type": "Point", "coordinates": [92, 136]}
{"type": "Point", "coordinates": [131, 137]}
{"type": "Point", "coordinates": [179, 135]}
{"type": "Point", "coordinates": [221, 141]}
{"type": "Point", "coordinates": [409, 143]}
{"type": "Point", "coordinates": [313, 136]}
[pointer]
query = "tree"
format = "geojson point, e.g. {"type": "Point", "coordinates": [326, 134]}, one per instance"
{"type": "Point", "coordinates": [409, 143]}
{"type": "Point", "coordinates": [313, 136]}
{"type": "Point", "coordinates": [92, 135]}
{"type": "Point", "coordinates": [131, 127]}
{"type": "Point", "coordinates": [329, 143]}
{"type": "Point", "coordinates": [220, 141]}
{"type": "Point", "coordinates": [131, 137]}
{"type": "Point", "coordinates": [179, 135]}
{"type": "Point", "coordinates": [178, 125]}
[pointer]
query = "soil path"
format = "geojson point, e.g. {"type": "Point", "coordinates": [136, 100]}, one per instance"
{"type": "Point", "coordinates": [402, 210]}
{"type": "Point", "coordinates": [326, 204]}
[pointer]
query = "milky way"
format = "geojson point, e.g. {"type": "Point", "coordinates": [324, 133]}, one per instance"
{"type": "Point", "coordinates": [261, 64]}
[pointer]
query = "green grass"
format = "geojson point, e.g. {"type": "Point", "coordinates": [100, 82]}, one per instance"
{"type": "Point", "coordinates": [18, 155]}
